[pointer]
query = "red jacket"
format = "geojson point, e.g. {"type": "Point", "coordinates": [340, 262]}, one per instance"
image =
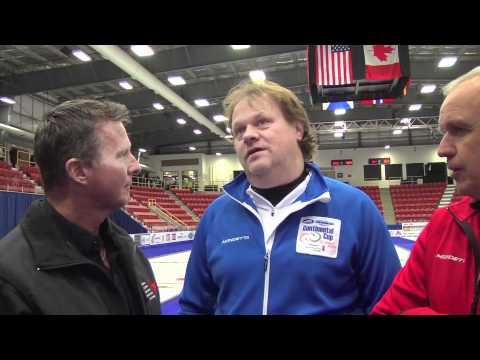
{"type": "Point", "coordinates": [439, 275]}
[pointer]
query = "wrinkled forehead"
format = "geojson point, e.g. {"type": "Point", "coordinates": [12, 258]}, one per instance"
{"type": "Point", "coordinates": [253, 104]}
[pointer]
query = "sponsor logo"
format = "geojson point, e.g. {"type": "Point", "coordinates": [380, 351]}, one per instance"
{"type": "Point", "coordinates": [150, 290]}
{"type": "Point", "coordinates": [234, 239]}
{"type": "Point", "coordinates": [450, 257]}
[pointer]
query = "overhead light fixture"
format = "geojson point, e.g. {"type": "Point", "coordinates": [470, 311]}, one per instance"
{"type": "Point", "coordinates": [218, 154]}
{"type": "Point", "coordinates": [219, 118]}
{"type": "Point", "coordinates": [201, 102]}
{"type": "Point", "coordinates": [176, 80]}
{"type": "Point", "coordinates": [397, 131]}
{"type": "Point", "coordinates": [142, 150]}
{"type": "Point", "coordinates": [7, 100]}
{"type": "Point", "coordinates": [79, 54]}
{"type": "Point", "coordinates": [240, 47]}
{"type": "Point", "coordinates": [338, 134]}
{"type": "Point", "coordinates": [340, 111]}
{"type": "Point", "coordinates": [415, 107]}
{"type": "Point", "coordinates": [387, 147]}
{"type": "Point", "coordinates": [405, 121]}
{"type": "Point", "coordinates": [158, 106]}
{"type": "Point", "coordinates": [181, 121]}
{"type": "Point", "coordinates": [197, 131]}
{"type": "Point", "coordinates": [228, 137]}
{"type": "Point", "coordinates": [228, 130]}
{"type": "Point", "coordinates": [427, 89]}
{"type": "Point", "coordinates": [447, 61]}
{"type": "Point", "coordinates": [142, 50]}
{"type": "Point", "coordinates": [192, 148]}
{"type": "Point", "coordinates": [126, 85]}
{"type": "Point", "coordinates": [257, 75]}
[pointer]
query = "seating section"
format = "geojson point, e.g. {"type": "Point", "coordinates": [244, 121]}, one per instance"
{"type": "Point", "coordinates": [144, 215]}
{"type": "Point", "coordinates": [5, 165]}
{"type": "Point", "coordinates": [374, 193]}
{"type": "Point", "coordinates": [164, 201]}
{"type": "Point", "coordinates": [34, 173]}
{"type": "Point", "coordinates": [198, 201]}
{"type": "Point", "coordinates": [13, 180]}
{"type": "Point", "coordinates": [416, 202]}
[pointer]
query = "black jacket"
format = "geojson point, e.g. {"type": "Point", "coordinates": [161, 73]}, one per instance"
{"type": "Point", "coordinates": [48, 266]}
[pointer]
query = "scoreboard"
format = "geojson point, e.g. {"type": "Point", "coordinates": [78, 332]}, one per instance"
{"type": "Point", "coordinates": [379, 161]}
{"type": "Point", "coordinates": [342, 162]}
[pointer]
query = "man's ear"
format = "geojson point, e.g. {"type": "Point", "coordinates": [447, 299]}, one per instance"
{"type": "Point", "coordinates": [76, 170]}
{"type": "Point", "coordinates": [300, 129]}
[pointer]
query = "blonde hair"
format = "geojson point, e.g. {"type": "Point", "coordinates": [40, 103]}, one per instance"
{"type": "Point", "coordinates": [289, 104]}
{"type": "Point", "coordinates": [447, 89]}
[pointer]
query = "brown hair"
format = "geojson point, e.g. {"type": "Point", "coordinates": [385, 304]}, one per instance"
{"type": "Point", "coordinates": [68, 132]}
{"type": "Point", "coordinates": [291, 107]}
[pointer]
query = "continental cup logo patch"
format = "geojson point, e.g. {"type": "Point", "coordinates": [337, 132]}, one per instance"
{"type": "Point", "coordinates": [318, 236]}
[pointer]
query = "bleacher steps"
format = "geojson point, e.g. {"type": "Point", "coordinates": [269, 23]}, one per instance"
{"type": "Point", "coordinates": [447, 195]}
{"type": "Point", "coordinates": [388, 212]}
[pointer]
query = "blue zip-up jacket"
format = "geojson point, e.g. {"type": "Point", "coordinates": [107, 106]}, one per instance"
{"type": "Point", "coordinates": [227, 268]}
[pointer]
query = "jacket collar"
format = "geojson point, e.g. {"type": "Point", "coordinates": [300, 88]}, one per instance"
{"type": "Point", "coordinates": [316, 187]}
{"type": "Point", "coordinates": [55, 241]}
{"type": "Point", "coordinates": [465, 208]}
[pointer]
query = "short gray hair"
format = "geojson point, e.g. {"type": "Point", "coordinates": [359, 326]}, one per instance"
{"type": "Point", "coordinates": [447, 89]}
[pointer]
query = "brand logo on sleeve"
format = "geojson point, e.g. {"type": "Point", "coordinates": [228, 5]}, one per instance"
{"type": "Point", "coordinates": [150, 290]}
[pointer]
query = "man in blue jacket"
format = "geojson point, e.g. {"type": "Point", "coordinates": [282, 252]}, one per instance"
{"type": "Point", "coordinates": [284, 239]}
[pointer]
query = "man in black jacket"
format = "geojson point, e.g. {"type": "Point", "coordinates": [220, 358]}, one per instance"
{"type": "Point", "coordinates": [66, 256]}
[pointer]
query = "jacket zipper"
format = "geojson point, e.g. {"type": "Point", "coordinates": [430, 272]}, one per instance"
{"type": "Point", "coordinates": [266, 268]}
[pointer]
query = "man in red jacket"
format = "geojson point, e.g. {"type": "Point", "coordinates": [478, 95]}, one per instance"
{"type": "Point", "coordinates": [441, 275]}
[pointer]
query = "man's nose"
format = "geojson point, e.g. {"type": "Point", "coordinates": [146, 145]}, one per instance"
{"type": "Point", "coordinates": [250, 134]}
{"type": "Point", "coordinates": [446, 148]}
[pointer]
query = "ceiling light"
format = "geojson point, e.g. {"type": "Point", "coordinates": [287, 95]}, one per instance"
{"type": "Point", "coordinates": [142, 50]}
{"type": "Point", "coordinates": [447, 61]}
{"type": "Point", "coordinates": [126, 85]}
{"type": "Point", "coordinates": [201, 102]}
{"type": "Point", "coordinates": [415, 107]}
{"type": "Point", "coordinates": [142, 150]}
{"type": "Point", "coordinates": [176, 80]}
{"type": "Point", "coordinates": [158, 106]}
{"type": "Point", "coordinates": [181, 121]}
{"type": "Point", "coordinates": [405, 121]}
{"type": "Point", "coordinates": [338, 134]}
{"type": "Point", "coordinates": [7, 100]}
{"type": "Point", "coordinates": [218, 154]}
{"type": "Point", "coordinates": [219, 118]}
{"type": "Point", "coordinates": [427, 89]}
{"type": "Point", "coordinates": [239, 47]}
{"type": "Point", "coordinates": [197, 131]}
{"type": "Point", "coordinates": [397, 132]}
{"type": "Point", "coordinates": [81, 55]}
{"type": "Point", "coordinates": [257, 75]}
{"type": "Point", "coordinates": [340, 111]}
{"type": "Point", "coordinates": [228, 130]}
{"type": "Point", "coordinates": [387, 147]}
{"type": "Point", "coordinates": [192, 148]}
{"type": "Point", "coordinates": [228, 137]}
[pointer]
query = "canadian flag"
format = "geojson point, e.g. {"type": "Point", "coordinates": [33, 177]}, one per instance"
{"type": "Point", "coordinates": [376, 101]}
{"type": "Point", "coordinates": [382, 62]}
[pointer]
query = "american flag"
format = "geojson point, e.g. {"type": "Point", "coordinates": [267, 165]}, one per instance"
{"type": "Point", "coordinates": [334, 65]}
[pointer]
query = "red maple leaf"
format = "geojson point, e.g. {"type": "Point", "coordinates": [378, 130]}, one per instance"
{"type": "Point", "coordinates": [381, 52]}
